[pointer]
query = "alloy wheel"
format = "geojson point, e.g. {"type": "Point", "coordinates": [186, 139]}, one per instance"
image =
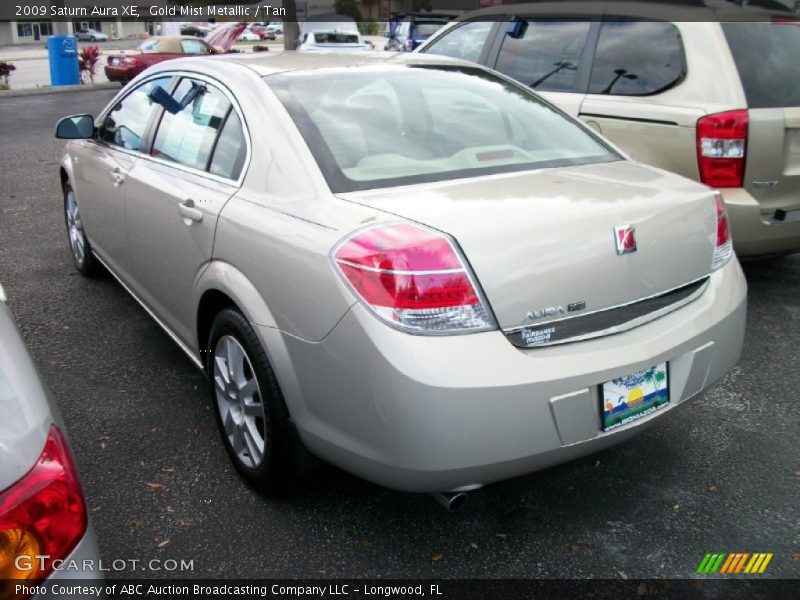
{"type": "Point", "coordinates": [77, 241]}
{"type": "Point", "coordinates": [239, 401]}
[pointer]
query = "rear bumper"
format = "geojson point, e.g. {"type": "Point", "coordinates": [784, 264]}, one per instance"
{"type": "Point", "coordinates": [752, 234]}
{"type": "Point", "coordinates": [121, 74]}
{"type": "Point", "coordinates": [445, 413]}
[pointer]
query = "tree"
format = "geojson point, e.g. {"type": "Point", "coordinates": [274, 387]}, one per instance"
{"type": "Point", "coordinates": [348, 8]}
{"type": "Point", "coordinates": [291, 29]}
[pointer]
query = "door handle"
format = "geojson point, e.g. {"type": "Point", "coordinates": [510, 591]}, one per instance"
{"type": "Point", "coordinates": [116, 176]}
{"type": "Point", "coordinates": [187, 210]}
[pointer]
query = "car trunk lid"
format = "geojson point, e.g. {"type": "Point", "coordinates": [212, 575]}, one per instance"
{"type": "Point", "coordinates": [542, 244]}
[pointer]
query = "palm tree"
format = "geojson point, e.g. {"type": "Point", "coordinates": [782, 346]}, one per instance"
{"type": "Point", "coordinates": [650, 377]}
{"type": "Point", "coordinates": [659, 378]}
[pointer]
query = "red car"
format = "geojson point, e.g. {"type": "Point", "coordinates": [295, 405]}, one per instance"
{"type": "Point", "coordinates": [262, 32]}
{"type": "Point", "coordinates": [125, 65]}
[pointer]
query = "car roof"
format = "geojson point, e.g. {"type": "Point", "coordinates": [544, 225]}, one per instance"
{"type": "Point", "coordinates": [656, 10]}
{"type": "Point", "coordinates": [265, 63]}
{"type": "Point", "coordinates": [168, 44]}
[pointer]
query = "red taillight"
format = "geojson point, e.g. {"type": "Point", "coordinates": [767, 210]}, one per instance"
{"type": "Point", "coordinates": [413, 278]}
{"type": "Point", "coordinates": [130, 60]}
{"type": "Point", "coordinates": [41, 514]}
{"type": "Point", "coordinates": [723, 249]}
{"type": "Point", "coordinates": [721, 148]}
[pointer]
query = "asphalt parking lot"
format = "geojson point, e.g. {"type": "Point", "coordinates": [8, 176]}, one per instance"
{"type": "Point", "coordinates": [722, 475]}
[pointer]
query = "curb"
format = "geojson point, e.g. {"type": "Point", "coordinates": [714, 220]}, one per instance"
{"type": "Point", "coordinates": [45, 90]}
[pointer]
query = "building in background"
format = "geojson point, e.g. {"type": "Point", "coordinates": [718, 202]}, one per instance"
{"type": "Point", "coordinates": [36, 30]}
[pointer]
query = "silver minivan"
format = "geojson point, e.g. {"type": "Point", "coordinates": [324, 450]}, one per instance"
{"type": "Point", "coordinates": [700, 93]}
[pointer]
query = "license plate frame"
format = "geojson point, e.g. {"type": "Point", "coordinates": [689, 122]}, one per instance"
{"type": "Point", "coordinates": [634, 396]}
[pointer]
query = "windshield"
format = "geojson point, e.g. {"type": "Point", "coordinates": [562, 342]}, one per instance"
{"type": "Point", "coordinates": [386, 126]}
{"type": "Point", "coordinates": [767, 56]}
{"type": "Point", "coordinates": [335, 38]}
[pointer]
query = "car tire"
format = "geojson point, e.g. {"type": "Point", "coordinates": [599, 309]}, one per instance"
{"type": "Point", "coordinates": [250, 410]}
{"type": "Point", "coordinates": [80, 249]}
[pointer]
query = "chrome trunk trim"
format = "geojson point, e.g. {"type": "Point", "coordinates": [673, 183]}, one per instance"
{"type": "Point", "coordinates": [607, 321]}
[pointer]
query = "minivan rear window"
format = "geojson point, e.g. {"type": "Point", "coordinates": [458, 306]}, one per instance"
{"type": "Point", "coordinates": [767, 56]}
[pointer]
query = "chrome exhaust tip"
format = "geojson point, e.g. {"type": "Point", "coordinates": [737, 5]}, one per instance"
{"type": "Point", "coordinates": [452, 501]}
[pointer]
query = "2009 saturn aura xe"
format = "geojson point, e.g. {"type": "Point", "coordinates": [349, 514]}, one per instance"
{"type": "Point", "coordinates": [413, 267]}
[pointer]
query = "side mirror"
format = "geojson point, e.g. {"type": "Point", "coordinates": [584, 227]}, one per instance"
{"type": "Point", "coordinates": [78, 127]}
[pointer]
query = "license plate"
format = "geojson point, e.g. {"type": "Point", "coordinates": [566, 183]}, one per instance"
{"type": "Point", "coordinates": [114, 62]}
{"type": "Point", "coordinates": [634, 396]}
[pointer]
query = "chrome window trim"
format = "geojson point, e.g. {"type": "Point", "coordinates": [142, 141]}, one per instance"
{"type": "Point", "coordinates": [514, 334]}
{"type": "Point", "coordinates": [168, 163]}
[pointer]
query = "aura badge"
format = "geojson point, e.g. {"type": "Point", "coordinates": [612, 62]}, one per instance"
{"type": "Point", "coordinates": [625, 237]}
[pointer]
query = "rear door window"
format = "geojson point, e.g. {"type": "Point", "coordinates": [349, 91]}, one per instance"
{"type": "Point", "coordinates": [230, 151]}
{"type": "Point", "coordinates": [637, 58]}
{"type": "Point", "coordinates": [188, 137]}
{"type": "Point", "coordinates": [464, 41]}
{"type": "Point", "coordinates": [546, 57]}
{"type": "Point", "coordinates": [767, 56]}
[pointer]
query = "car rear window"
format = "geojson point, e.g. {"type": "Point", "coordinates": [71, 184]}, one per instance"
{"type": "Point", "coordinates": [767, 56]}
{"type": "Point", "coordinates": [336, 38]}
{"type": "Point", "coordinates": [399, 125]}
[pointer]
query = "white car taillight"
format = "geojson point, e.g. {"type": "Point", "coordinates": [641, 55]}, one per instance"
{"type": "Point", "coordinates": [724, 246]}
{"type": "Point", "coordinates": [413, 278]}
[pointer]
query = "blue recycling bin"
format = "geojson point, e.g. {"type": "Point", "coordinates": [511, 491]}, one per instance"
{"type": "Point", "coordinates": [62, 51]}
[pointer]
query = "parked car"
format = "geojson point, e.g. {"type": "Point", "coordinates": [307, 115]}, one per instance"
{"type": "Point", "coordinates": [697, 98]}
{"type": "Point", "coordinates": [125, 65]}
{"type": "Point", "coordinates": [91, 35]}
{"type": "Point", "coordinates": [248, 36]}
{"type": "Point", "coordinates": [263, 32]}
{"type": "Point", "coordinates": [196, 29]}
{"type": "Point", "coordinates": [276, 28]}
{"type": "Point", "coordinates": [408, 30]}
{"type": "Point", "coordinates": [413, 267]}
{"type": "Point", "coordinates": [333, 41]}
{"type": "Point", "coordinates": [42, 508]}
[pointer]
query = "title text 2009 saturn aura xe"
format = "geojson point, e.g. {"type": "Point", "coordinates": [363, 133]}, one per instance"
{"type": "Point", "coordinates": [417, 268]}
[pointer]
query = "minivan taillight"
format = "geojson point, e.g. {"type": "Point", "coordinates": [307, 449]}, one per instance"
{"type": "Point", "coordinates": [722, 147]}
{"type": "Point", "coordinates": [41, 514]}
{"type": "Point", "coordinates": [414, 279]}
{"type": "Point", "coordinates": [723, 250]}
